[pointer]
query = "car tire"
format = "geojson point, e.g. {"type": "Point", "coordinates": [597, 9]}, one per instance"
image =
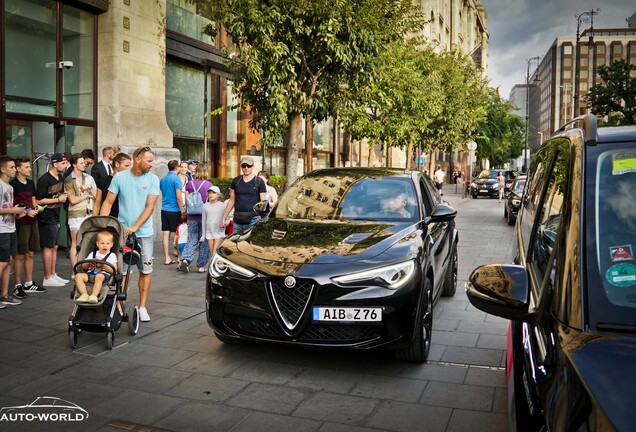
{"type": "Point", "coordinates": [227, 339]}
{"type": "Point", "coordinates": [417, 351]}
{"type": "Point", "coordinates": [474, 195]}
{"type": "Point", "coordinates": [506, 211]}
{"type": "Point", "coordinates": [511, 218]}
{"type": "Point", "coordinates": [450, 279]}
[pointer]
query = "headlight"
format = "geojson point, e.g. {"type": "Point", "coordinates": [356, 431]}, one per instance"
{"type": "Point", "coordinates": [219, 266]}
{"type": "Point", "coordinates": [516, 202]}
{"type": "Point", "coordinates": [495, 186]}
{"type": "Point", "coordinates": [393, 276]}
{"type": "Point", "coordinates": [473, 185]}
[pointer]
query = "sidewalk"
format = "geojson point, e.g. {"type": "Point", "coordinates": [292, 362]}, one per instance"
{"type": "Point", "coordinates": [175, 375]}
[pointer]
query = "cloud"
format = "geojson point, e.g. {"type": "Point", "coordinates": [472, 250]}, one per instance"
{"type": "Point", "coordinates": [521, 29]}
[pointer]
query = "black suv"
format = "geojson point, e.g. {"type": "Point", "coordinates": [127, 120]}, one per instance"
{"type": "Point", "coordinates": [486, 183]}
{"type": "Point", "coordinates": [571, 294]}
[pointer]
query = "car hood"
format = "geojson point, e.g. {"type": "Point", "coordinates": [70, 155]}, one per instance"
{"type": "Point", "coordinates": [295, 242]}
{"type": "Point", "coordinates": [484, 181]}
{"type": "Point", "coordinates": [605, 365]}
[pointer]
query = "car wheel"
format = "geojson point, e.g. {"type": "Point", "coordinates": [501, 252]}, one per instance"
{"type": "Point", "coordinates": [417, 351]}
{"type": "Point", "coordinates": [450, 279]}
{"type": "Point", "coordinates": [226, 339]}
{"type": "Point", "coordinates": [511, 218]}
{"type": "Point", "coordinates": [506, 211]}
{"type": "Point", "coordinates": [474, 195]}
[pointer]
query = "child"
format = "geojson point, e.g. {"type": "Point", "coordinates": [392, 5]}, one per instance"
{"type": "Point", "coordinates": [181, 237]}
{"type": "Point", "coordinates": [211, 219]}
{"type": "Point", "coordinates": [102, 273]}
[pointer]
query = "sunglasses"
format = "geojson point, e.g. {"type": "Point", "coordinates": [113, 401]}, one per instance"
{"type": "Point", "coordinates": [141, 151]}
{"type": "Point", "coordinates": [246, 166]}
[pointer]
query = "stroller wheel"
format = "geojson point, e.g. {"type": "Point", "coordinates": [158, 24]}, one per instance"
{"type": "Point", "coordinates": [110, 337]}
{"type": "Point", "coordinates": [133, 319]}
{"type": "Point", "coordinates": [72, 338]}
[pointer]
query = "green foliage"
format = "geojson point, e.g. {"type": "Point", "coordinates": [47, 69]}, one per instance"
{"type": "Point", "coordinates": [292, 56]}
{"type": "Point", "coordinates": [500, 135]}
{"type": "Point", "coordinates": [615, 98]}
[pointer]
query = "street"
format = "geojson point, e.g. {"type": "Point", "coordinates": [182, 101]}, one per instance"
{"type": "Point", "coordinates": [175, 375]}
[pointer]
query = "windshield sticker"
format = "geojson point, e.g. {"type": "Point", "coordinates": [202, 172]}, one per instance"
{"type": "Point", "coordinates": [621, 253]}
{"type": "Point", "coordinates": [622, 275]}
{"type": "Point", "coordinates": [623, 162]}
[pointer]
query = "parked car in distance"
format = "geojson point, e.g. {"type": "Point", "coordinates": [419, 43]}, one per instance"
{"type": "Point", "coordinates": [349, 258]}
{"type": "Point", "coordinates": [513, 199]}
{"type": "Point", "coordinates": [571, 294]}
{"type": "Point", "coordinates": [486, 183]}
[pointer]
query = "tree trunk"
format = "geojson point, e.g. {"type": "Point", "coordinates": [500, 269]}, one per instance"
{"type": "Point", "coordinates": [409, 155]}
{"type": "Point", "coordinates": [294, 141]}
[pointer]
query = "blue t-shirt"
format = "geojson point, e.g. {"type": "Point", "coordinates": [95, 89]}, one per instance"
{"type": "Point", "coordinates": [133, 192]}
{"type": "Point", "coordinates": [169, 185]}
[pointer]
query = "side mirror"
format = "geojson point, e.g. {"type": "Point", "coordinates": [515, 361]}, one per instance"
{"type": "Point", "coordinates": [442, 213]}
{"type": "Point", "coordinates": [501, 290]}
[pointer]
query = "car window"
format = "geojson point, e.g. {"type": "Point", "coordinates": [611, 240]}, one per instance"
{"type": "Point", "coordinates": [550, 218]}
{"type": "Point", "coordinates": [519, 186]}
{"type": "Point", "coordinates": [615, 222]}
{"type": "Point", "coordinates": [530, 201]}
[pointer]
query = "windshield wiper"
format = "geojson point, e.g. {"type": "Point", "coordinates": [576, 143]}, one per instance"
{"type": "Point", "coordinates": [622, 328]}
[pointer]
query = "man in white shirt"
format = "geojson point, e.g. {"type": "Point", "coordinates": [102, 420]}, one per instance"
{"type": "Point", "coordinates": [438, 178]}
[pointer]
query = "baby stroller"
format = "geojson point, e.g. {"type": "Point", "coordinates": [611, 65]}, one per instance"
{"type": "Point", "coordinates": [104, 316]}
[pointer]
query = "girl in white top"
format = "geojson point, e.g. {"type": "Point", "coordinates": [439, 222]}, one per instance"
{"type": "Point", "coordinates": [272, 195]}
{"type": "Point", "coordinates": [211, 219]}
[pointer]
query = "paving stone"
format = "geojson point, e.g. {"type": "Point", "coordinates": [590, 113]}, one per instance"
{"type": "Point", "coordinates": [336, 427]}
{"type": "Point", "coordinates": [392, 388]}
{"type": "Point", "coordinates": [486, 377]}
{"type": "Point", "coordinates": [149, 355]}
{"type": "Point", "coordinates": [456, 338]}
{"type": "Point", "coordinates": [266, 372]}
{"type": "Point", "coordinates": [336, 408]}
{"type": "Point", "coordinates": [458, 396]}
{"type": "Point", "coordinates": [207, 388]}
{"type": "Point", "coordinates": [492, 341]}
{"type": "Point", "coordinates": [462, 421]}
{"type": "Point", "coordinates": [169, 339]}
{"type": "Point", "coordinates": [500, 401]}
{"type": "Point", "coordinates": [482, 327]}
{"type": "Point", "coordinates": [472, 356]}
{"type": "Point", "coordinates": [197, 417]}
{"type": "Point", "coordinates": [434, 372]}
{"type": "Point", "coordinates": [444, 325]}
{"type": "Point", "coordinates": [150, 379]}
{"type": "Point", "coordinates": [268, 398]}
{"type": "Point", "coordinates": [210, 364]}
{"type": "Point", "coordinates": [407, 417]}
{"type": "Point", "coordinates": [269, 422]}
{"type": "Point", "coordinates": [326, 380]}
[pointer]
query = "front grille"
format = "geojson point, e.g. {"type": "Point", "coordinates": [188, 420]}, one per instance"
{"type": "Point", "coordinates": [291, 302]}
{"type": "Point", "coordinates": [254, 326]}
{"type": "Point", "coordinates": [340, 333]}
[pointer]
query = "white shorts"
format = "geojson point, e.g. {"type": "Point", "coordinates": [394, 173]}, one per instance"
{"type": "Point", "coordinates": [74, 223]}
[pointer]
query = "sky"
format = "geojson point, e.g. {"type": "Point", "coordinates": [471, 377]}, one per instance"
{"type": "Point", "coordinates": [521, 29]}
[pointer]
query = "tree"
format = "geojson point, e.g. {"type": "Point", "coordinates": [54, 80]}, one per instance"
{"type": "Point", "coordinates": [500, 135]}
{"type": "Point", "coordinates": [615, 98]}
{"type": "Point", "coordinates": [292, 57]}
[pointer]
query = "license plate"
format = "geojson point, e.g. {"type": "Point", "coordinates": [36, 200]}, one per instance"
{"type": "Point", "coordinates": [347, 314]}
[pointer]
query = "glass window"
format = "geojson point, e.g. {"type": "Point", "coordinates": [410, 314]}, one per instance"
{"type": "Point", "coordinates": [567, 49]}
{"type": "Point", "coordinates": [323, 135]}
{"type": "Point", "coordinates": [30, 27]}
{"type": "Point", "coordinates": [232, 115]}
{"type": "Point", "coordinates": [184, 100]}
{"type": "Point", "coordinates": [19, 139]}
{"type": "Point", "coordinates": [567, 62]}
{"type": "Point", "coordinates": [78, 39]}
{"type": "Point", "coordinates": [567, 74]}
{"type": "Point", "coordinates": [550, 219]}
{"type": "Point", "coordinates": [583, 49]}
{"type": "Point", "coordinates": [600, 49]}
{"type": "Point", "coordinates": [78, 138]}
{"type": "Point", "coordinates": [182, 17]}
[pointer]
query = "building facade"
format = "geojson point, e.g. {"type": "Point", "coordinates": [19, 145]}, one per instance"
{"type": "Point", "coordinates": [552, 95]}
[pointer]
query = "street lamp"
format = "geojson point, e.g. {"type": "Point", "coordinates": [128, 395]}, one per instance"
{"type": "Point", "coordinates": [525, 151]}
{"type": "Point", "coordinates": [582, 17]}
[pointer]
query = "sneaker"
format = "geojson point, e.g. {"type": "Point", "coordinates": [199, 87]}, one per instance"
{"type": "Point", "coordinates": [84, 298]}
{"type": "Point", "coordinates": [184, 266]}
{"type": "Point", "coordinates": [18, 291]}
{"type": "Point", "coordinates": [33, 288]}
{"type": "Point", "coordinates": [2, 306]}
{"type": "Point", "coordinates": [92, 299]}
{"type": "Point", "coordinates": [143, 315]}
{"type": "Point", "coordinates": [52, 282]}
{"type": "Point", "coordinates": [8, 300]}
{"type": "Point", "coordinates": [64, 281]}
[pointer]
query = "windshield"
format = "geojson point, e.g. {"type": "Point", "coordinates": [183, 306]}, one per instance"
{"type": "Point", "coordinates": [614, 194]}
{"type": "Point", "coordinates": [519, 185]}
{"type": "Point", "coordinates": [487, 174]}
{"type": "Point", "coordinates": [349, 198]}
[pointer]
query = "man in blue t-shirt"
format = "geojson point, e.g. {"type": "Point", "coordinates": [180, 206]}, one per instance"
{"type": "Point", "coordinates": [171, 206]}
{"type": "Point", "coordinates": [137, 190]}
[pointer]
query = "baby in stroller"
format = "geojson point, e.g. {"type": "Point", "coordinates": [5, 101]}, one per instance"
{"type": "Point", "coordinates": [99, 273]}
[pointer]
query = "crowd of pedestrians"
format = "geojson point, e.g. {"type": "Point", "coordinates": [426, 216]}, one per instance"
{"type": "Point", "coordinates": [122, 186]}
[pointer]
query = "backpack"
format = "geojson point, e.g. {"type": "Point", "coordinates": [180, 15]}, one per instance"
{"type": "Point", "coordinates": [194, 203]}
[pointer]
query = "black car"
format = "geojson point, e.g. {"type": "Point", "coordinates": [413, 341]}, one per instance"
{"type": "Point", "coordinates": [350, 258]}
{"type": "Point", "coordinates": [486, 183]}
{"type": "Point", "coordinates": [571, 294]}
{"type": "Point", "coordinates": [513, 199]}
